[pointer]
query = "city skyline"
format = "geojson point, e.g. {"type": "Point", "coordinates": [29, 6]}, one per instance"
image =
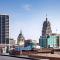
{"type": "Point", "coordinates": [29, 15]}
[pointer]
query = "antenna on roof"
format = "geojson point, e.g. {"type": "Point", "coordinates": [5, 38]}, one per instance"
{"type": "Point", "coordinates": [20, 31]}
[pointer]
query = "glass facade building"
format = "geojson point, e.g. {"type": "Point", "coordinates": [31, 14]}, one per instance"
{"type": "Point", "coordinates": [4, 29]}
{"type": "Point", "coordinates": [43, 41]}
{"type": "Point", "coordinates": [47, 42]}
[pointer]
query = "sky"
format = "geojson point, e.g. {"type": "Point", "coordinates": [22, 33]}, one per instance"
{"type": "Point", "coordinates": [29, 15]}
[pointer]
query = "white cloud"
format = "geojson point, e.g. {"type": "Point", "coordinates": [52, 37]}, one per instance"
{"type": "Point", "coordinates": [27, 7]}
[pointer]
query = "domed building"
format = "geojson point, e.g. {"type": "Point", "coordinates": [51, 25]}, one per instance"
{"type": "Point", "coordinates": [20, 39]}
{"type": "Point", "coordinates": [46, 30]}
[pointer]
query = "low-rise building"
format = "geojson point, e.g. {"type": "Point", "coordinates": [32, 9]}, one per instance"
{"type": "Point", "coordinates": [30, 42]}
{"type": "Point", "coordinates": [11, 42]}
{"type": "Point", "coordinates": [49, 41]}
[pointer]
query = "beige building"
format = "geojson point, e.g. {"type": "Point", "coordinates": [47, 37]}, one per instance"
{"type": "Point", "coordinates": [11, 42]}
{"type": "Point", "coordinates": [20, 39]}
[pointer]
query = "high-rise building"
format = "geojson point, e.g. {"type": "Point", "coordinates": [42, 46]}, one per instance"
{"type": "Point", "coordinates": [4, 29]}
{"type": "Point", "coordinates": [46, 30]}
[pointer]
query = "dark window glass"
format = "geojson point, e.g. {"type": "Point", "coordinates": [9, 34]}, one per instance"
{"type": "Point", "coordinates": [7, 40]}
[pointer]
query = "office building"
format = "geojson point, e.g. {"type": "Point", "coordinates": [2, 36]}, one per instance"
{"type": "Point", "coordinates": [49, 41]}
{"type": "Point", "coordinates": [4, 29]}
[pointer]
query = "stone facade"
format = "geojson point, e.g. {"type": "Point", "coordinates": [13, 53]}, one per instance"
{"type": "Point", "coordinates": [20, 40]}
{"type": "Point", "coordinates": [46, 30]}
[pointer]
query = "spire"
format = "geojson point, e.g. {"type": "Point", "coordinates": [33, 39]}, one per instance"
{"type": "Point", "coordinates": [21, 32]}
{"type": "Point", "coordinates": [46, 17]}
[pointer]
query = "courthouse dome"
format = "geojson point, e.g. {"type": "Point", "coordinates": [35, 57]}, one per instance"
{"type": "Point", "coordinates": [20, 35]}
{"type": "Point", "coordinates": [46, 30]}
{"type": "Point", "coordinates": [20, 39]}
{"type": "Point", "coordinates": [46, 23]}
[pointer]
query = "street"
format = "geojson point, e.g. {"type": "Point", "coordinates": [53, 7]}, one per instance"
{"type": "Point", "coordinates": [14, 58]}
{"type": "Point", "coordinates": [11, 58]}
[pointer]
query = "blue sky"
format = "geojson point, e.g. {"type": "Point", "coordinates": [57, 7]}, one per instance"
{"type": "Point", "coordinates": [28, 16]}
